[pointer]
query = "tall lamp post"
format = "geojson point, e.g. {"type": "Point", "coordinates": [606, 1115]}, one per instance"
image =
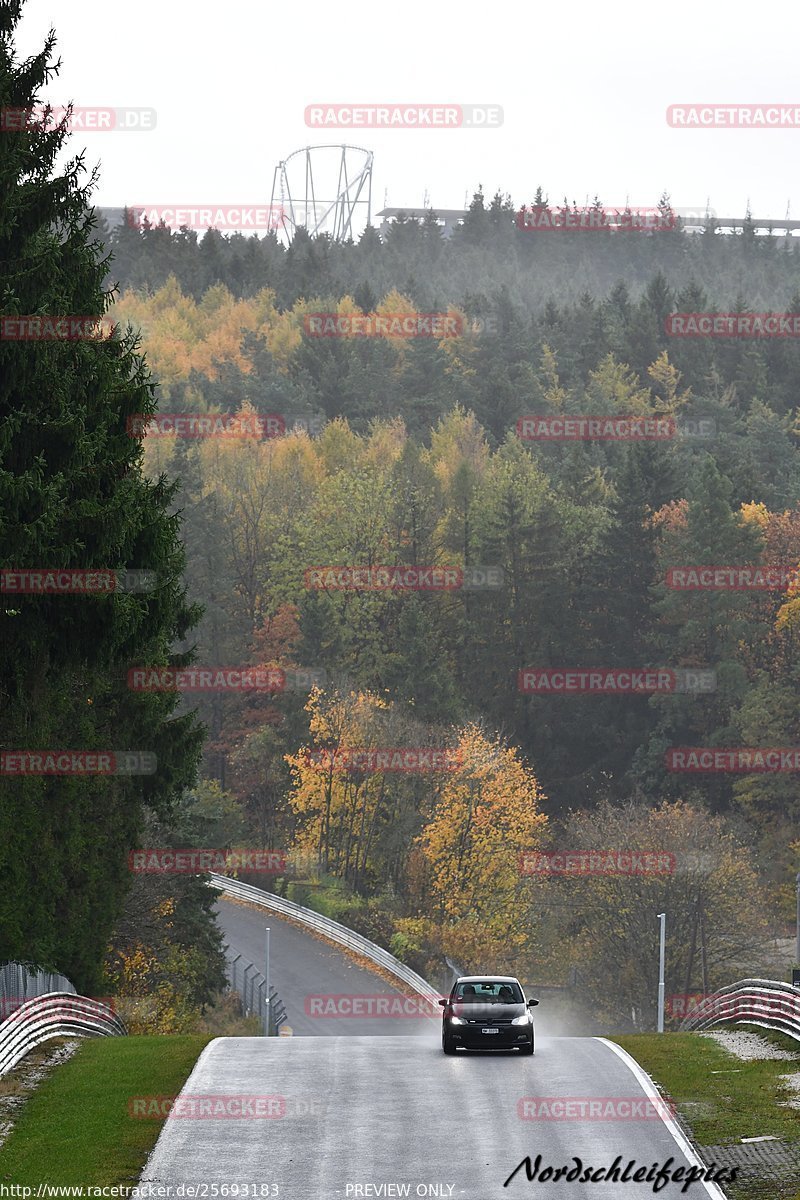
{"type": "Point", "coordinates": [661, 959]}
{"type": "Point", "coordinates": [266, 977]}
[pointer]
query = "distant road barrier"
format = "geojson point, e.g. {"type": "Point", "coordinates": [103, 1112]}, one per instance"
{"type": "Point", "coordinates": [329, 929]}
{"type": "Point", "coordinates": [22, 981]}
{"type": "Point", "coordinates": [272, 1012]}
{"type": "Point", "coordinates": [52, 1015]}
{"type": "Point", "coordinates": [768, 1003]}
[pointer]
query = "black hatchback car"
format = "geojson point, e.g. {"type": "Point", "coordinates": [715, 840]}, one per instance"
{"type": "Point", "coordinates": [487, 1012]}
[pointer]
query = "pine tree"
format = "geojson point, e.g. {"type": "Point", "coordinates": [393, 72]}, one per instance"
{"type": "Point", "coordinates": [72, 495]}
{"type": "Point", "coordinates": [615, 616]}
{"type": "Point", "coordinates": [706, 630]}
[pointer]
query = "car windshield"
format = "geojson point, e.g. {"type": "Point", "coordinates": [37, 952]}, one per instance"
{"type": "Point", "coordinates": [490, 991]}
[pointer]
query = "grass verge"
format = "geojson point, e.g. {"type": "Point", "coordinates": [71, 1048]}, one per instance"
{"type": "Point", "coordinates": [75, 1127]}
{"type": "Point", "coordinates": [720, 1097]}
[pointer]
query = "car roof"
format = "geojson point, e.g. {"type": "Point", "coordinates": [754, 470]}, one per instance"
{"type": "Point", "coordinates": [487, 979]}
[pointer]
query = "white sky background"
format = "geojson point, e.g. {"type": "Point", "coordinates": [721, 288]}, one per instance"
{"type": "Point", "coordinates": [584, 88]}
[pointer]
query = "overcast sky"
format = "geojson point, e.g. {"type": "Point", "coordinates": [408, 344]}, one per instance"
{"type": "Point", "coordinates": [584, 89]}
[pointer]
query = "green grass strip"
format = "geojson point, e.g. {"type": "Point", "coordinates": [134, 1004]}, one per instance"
{"type": "Point", "coordinates": [720, 1097]}
{"type": "Point", "coordinates": [75, 1127]}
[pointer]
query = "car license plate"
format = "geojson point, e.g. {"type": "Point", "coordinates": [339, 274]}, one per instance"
{"type": "Point", "coordinates": [490, 1031]}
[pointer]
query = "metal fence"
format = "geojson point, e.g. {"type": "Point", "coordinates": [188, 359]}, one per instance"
{"type": "Point", "coordinates": [52, 1015]}
{"type": "Point", "coordinates": [768, 1003]}
{"type": "Point", "coordinates": [332, 930]}
{"type": "Point", "coordinates": [253, 988]}
{"type": "Point", "coordinates": [20, 982]}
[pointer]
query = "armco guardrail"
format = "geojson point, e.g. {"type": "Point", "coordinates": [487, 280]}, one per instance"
{"type": "Point", "coordinates": [329, 929]}
{"type": "Point", "coordinates": [764, 1002]}
{"type": "Point", "coordinates": [55, 1014]}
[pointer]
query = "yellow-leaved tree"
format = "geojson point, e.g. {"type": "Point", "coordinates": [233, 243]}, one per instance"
{"type": "Point", "coordinates": [484, 816]}
{"type": "Point", "coordinates": [357, 818]}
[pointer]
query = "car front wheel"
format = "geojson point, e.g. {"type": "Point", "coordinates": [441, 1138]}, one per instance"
{"type": "Point", "coordinates": [448, 1045]}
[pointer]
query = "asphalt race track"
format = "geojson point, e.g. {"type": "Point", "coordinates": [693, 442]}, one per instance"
{"type": "Point", "coordinates": [303, 966]}
{"type": "Point", "coordinates": [369, 1107]}
{"type": "Point", "coordinates": [373, 1117]}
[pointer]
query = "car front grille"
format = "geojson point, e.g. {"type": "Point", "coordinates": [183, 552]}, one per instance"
{"type": "Point", "coordinates": [490, 1022]}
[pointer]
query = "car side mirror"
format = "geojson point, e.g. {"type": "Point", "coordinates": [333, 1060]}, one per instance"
{"type": "Point", "coordinates": [442, 1002]}
{"type": "Point", "coordinates": [532, 1002]}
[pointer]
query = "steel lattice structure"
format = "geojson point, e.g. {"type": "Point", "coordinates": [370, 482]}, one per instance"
{"type": "Point", "coordinates": [297, 179]}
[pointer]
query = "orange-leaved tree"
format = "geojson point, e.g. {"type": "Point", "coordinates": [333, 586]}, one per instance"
{"type": "Point", "coordinates": [357, 818]}
{"type": "Point", "coordinates": [485, 815]}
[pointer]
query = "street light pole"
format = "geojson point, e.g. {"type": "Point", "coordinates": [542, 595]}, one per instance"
{"type": "Point", "coordinates": [266, 977]}
{"type": "Point", "coordinates": [661, 959]}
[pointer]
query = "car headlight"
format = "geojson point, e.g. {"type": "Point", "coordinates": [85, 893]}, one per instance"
{"type": "Point", "coordinates": [457, 1020]}
{"type": "Point", "coordinates": [523, 1020]}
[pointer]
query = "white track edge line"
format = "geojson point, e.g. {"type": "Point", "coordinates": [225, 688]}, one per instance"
{"type": "Point", "coordinates": [652, 1092]}
{"type": "Point", "coordinates": [200, 1062]}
